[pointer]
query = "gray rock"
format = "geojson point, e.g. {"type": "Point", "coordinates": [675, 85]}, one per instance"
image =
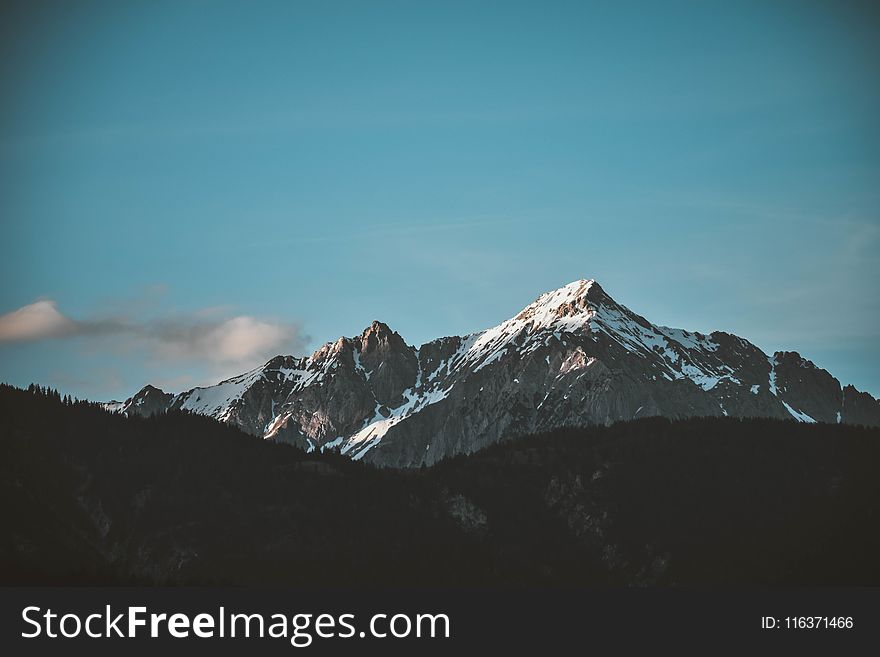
{"type": "Point", "coordinates": [574, 357]}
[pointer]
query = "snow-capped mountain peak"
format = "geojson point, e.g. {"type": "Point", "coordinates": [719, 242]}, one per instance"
{"type": "Point", "coordinates": [570, 300]}
{"type": "Point", "coordinates": [574, 356]}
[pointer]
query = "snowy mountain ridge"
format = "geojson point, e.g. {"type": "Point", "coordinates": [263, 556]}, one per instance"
{"type": "Point", "coordinates": [572, 357]}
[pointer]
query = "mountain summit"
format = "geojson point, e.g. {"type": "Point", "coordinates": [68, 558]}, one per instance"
{"type": "Point", "coordinates": [573, 357]}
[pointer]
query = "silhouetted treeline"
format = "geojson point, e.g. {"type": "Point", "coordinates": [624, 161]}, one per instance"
{"type": "Point", "coordinates": [90, 497]}
{"type": "Point", "coordinates": [52, 393]}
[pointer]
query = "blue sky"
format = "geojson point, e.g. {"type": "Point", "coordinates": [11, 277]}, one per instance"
{"type": "Point", "coordinates": [187, 187]}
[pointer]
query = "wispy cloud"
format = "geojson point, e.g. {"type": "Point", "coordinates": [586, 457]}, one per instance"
{"type": "Point", "coordinates": [206, 337]}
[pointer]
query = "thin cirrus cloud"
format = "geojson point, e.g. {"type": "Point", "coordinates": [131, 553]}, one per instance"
{"type": "Point", "coordinates": [215, 340]}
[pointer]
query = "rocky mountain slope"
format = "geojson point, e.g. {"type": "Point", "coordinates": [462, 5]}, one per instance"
{"type": "Point", "coordinates": [573, 357]}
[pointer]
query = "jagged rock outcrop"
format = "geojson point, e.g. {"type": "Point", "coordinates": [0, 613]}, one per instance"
{"type": "Point", "coordinates": [147, 401]}
{"type": "Point", "coordinates": [573, 357]}
{"type": "Point", "coordinates": [390, 364]}
{"type": "Point", "coordinates": [859, 408]}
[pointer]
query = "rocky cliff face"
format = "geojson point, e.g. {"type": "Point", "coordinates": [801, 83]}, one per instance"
{"type": "Point", "coordinates": [573, 357]}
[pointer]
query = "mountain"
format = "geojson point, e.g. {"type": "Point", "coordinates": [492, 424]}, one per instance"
{"type": "Point", "coordinates": [149, 400]}
{"type": "Point", "coordinates": [573, 357]}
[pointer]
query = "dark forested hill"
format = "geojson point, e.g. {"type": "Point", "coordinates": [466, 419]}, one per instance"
{"type": "Point", "coordinates": [89, 497]}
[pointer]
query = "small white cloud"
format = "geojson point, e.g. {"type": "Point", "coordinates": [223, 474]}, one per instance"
{"type": "Point", "coordinates": [36, 321]}
{"type": "Point", "coordinates": [241, 338]}
{"type": "Point", "coordinates": [237, 340]}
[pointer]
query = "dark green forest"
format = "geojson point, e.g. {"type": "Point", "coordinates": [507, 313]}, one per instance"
{"type": "Point", "coordinates": [89, 497]}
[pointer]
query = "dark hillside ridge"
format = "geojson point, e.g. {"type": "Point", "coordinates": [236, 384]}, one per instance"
{"type": "Point", "coordinates": [90, 497]}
